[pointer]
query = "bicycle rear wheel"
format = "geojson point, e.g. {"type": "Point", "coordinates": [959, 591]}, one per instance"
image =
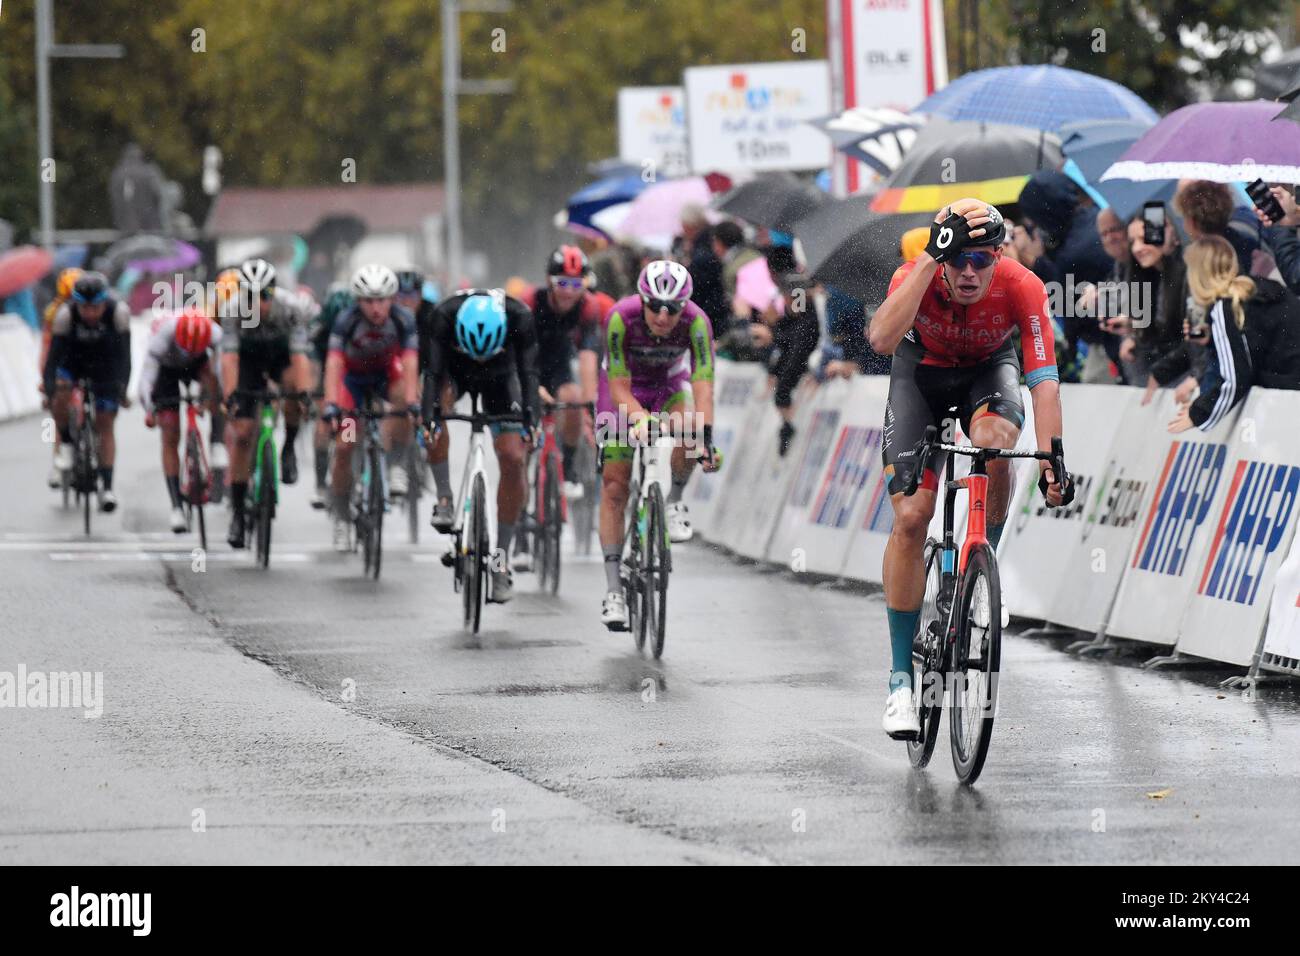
{"type": "Point", "coordinates": [976, 659]}
{"type": "Point", "coordinates": [655, 579]}
{"type": "Point", "coordinates": [928, 658]}
{"type": "Point", "coordinates": [265, 504]}
{"type": "Point", "coordinates": [549, 553]}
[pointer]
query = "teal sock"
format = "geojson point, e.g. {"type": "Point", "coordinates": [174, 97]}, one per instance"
{"type": "Point", "coordinates": [902, 628]}
{"type": "Point", "coordinates": [994, 533]}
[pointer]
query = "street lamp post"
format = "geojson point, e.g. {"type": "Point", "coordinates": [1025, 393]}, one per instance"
{"type": "Point", "coordinates": [45, 49]}
{"type": "Point", "coordinates": [452, 87]}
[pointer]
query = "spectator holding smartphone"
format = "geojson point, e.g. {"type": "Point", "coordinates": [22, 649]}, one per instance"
{"type": "Point", "coordinates": [1155, 278]}
{"type": "Point", "coordinates": [1281, 237]}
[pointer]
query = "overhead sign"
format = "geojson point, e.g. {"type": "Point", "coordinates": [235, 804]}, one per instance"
{"type": "Point", "coordinates": [652, 128]}
{"type": "Point", "coordinates": [749, 117]}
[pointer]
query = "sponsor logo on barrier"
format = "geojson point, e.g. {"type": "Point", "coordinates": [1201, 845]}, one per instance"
{"type": "Point", "coordinates": [1181, 504]}
{"type": "Point", "coordinates": [1255, 519]}
{"type": "Point", "coordinates": [821, 433]}
{"type": "Point", "coordinates": [850, 466]}
{"type": "Point", "coordinates": [1117, 500]}
{"type": "Point", "coordinates": [735, 392]}
{"type": "Point", "coordinates": [880, 514]}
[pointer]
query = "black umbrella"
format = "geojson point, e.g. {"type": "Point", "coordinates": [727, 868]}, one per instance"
{"type": "Point", "coordinates": [774, 200]}
{"type": "Point", "coordinates": [848, 246]}
{"type": "Point", "coordinates": [1282, 74]}
{"type": "Point", "coordinates": [949, 160]}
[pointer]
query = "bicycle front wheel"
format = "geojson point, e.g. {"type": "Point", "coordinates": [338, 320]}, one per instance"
{"type": "Point", "coordinates": [657, 563]}
{"type": "Point", "coordinates": [86, 470]}
{"type": "Point", "coordinates": [265, 503]}
{"type": "Point", "coordinates": [481, 549]}
{"type": "Point", "coordinates": [976, 659]}
{"type": "Point", "coordinates": [194, 485]}
{"type": "Point", "coordinates": [375, 538]}
{"type": "Point", "coordinates": [928, 658]}
{"type": "Point", "coordinates": [550, 536]}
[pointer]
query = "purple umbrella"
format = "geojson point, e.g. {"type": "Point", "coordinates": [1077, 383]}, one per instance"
{"type": "Point", "coordinates": [182, 257]}
{"type": "Point", "coordinates": [1222, 142]}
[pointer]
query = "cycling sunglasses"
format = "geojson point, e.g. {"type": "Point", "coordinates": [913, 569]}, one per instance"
{"type": "Point", "coordinates": [672, 306]}
{"type": "Point", "coordinates": [568, 282]}
{"type": "Point", "coordinates": [980, 260]}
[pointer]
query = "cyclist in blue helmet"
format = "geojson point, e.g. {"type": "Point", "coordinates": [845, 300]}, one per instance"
{"type": "Point", "coordinates": [484, 342]}
{"type": "Point", "coordinates": [90, 338]}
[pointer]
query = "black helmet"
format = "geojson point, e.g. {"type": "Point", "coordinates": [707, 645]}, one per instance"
{"type": "Point", "coordinates": [91, 287]}
{"type": "Point", "coordinates": [568, 261]}
{"type": "Point", "coordinates": [995, 230]}
{"type": "Point", "coordinates": [410, 282]}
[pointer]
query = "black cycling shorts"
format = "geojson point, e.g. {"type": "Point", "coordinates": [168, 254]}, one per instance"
{"type": "Point", "coordinates": [923, 395]}
{"type": "Point", "coordinates": [258, 364]}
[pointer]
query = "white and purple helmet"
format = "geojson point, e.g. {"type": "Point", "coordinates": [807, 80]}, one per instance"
{"type": "Point", "coordinates": [665, 281]}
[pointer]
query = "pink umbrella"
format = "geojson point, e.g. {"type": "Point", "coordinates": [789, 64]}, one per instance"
{"type": "Point", "coordinates": [656, 214]}
{"type": "Point", "coordinates": [755, 287]}
{"type": "Point", "coordinates": [20, 267]}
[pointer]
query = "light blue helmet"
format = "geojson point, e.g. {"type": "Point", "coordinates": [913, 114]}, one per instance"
{"type": "Point", "coordinates": [481, 325]}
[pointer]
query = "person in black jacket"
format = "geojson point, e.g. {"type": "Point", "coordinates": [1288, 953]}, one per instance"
{"type": "Point", "coordinates": [1215, 284]}
{"type": "Point", "coordinates": [1282, 237]}
{"type": "Point", "coordinates": [696, 253]}
{"type": "Point", "coordinates": [792, 335]}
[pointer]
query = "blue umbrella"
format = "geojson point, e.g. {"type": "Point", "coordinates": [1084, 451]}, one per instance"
{"type": "Point", "coordinates": [1042, 97]}
{"type": "Point", "coordinates": [591, 199]}
{"type": "Point", "coordinates": [1090, 149]}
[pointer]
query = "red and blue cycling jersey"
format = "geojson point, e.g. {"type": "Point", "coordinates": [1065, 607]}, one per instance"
{"type": "Point", "coordinates": [952, 335]}
{"type": "Point", "coordinates": [372, 353]}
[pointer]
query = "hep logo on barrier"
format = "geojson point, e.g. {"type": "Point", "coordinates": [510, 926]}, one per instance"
{"type": "Point", "coordinates": [1182, 501]}
{"type": "Point", "coordinates": [1256, 516]}
{"type": "Point", "coordinates": [850, 466]}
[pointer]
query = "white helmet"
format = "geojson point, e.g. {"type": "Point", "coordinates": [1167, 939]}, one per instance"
{"type": "Point", "coordinates": [257, 274]}
{"type": "Point", "coordinates": [664, 280]}
{"type": "Point", "coordinates": [374, 282]}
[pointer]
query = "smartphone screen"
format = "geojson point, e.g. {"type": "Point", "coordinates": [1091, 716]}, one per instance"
{"type": "Point", "coordinates": [1153, 223]}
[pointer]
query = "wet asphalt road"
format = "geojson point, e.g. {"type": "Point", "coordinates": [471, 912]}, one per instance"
{"type": "Point", "coordinates": [228, 734]}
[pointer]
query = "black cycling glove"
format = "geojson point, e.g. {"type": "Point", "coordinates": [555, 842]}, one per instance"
{"type": "Point", "coordinates": [948, 238]}
{"type": "Point", "coordinates": [1067, 493]}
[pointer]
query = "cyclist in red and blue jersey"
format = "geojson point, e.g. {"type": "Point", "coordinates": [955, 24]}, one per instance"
{"type": "Point", "coordinates": [373, 350]}
{"type": "Point", "coordinates": [658, 358]}
{"type": "Point", "coordinates": [948, 322]}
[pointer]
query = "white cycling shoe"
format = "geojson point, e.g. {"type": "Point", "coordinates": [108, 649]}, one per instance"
{"type": "Point", "coordinates": [218, 457]}
{"type": "Point", "coordinates": [573, 490]}
{"type": "Point", "coordinates": [107, 502]}
{"type": "Point", "coordinates": [522, 562]}
{"type": "Point", "coordinates": [679, 523]}
{"type": "Point", "coordinates": [63, 459]}
{"type": "Point", "coordinates": [55, 479]}
{"type": "Point", "coordinates": [613, 611]}
{"type": "Point", "coordinates": [178, 521]}
{"type": "Point", "coordinates": [399, 482]}
{"type": "Point", "coordinates": [901, 721]}
{"type": "Point", "coordinates": [342, 535]}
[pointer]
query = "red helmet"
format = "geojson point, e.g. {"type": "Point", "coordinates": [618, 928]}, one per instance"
{"type": "Point", "coordinates": [568, 261]}
{"type": "Point", "coordinates": [193, 331]}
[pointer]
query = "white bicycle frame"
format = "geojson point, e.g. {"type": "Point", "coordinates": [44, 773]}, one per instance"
{"type": "Point", "coordinates": [476, 464]}
{"type": "Point", "coordinates": [651, 465]}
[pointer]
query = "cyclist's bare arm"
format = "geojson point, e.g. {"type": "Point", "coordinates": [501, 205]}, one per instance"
{"type": "Point", "coordinates": [229, 373]}
{"type": "Point", "coordinates": [897, 313]}
{"type": "Point", "coordinates": [702, 392]}
{"type": "Point", "coordinates": [333, 376]}
{"type": "Point", "coordinates": [1047, 425]}
{"type": "Point", "coordinates": [588, 372]}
